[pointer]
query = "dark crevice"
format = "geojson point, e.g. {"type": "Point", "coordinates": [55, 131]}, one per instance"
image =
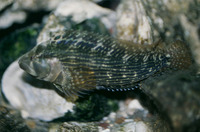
{"type": "Point", "coordinates": [32, 17]}
{"type": "Point", "coordinates": [111, 4]}
{"type": "Point", "coordinates": [154, 107]}
{"type": "Point", "coordinates": [5, 8]}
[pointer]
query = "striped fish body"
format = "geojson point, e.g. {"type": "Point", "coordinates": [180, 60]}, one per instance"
{"type": "Point", "coordinates": [74, 61]}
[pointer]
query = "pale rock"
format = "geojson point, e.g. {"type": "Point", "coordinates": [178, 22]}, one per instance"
{"type": "Point", "coordinates": [133, 23]}
{"type": "Point", "coordinates": [129, 107]}
{"type": "Point", "coordinates": [106, 130]}
{"type": "Point", "coordinates": [35, 5]}
{"type": "Point", "coordinates": [10, 17]}
{"type": "Point", "coordinates": [133, 106]}
{"type": "Point", "coordinates": [17, 11]}
{"type": "Point", "coordinates": [136, 127]}
{"type": "Point", "coordinates": [5, 3]}
{"type": "Point", "coordinates": [132, 126]}
{"type": "Point", "coordinates": [79, 10]}
{"type": "Point", "coordinates": [33, 102]}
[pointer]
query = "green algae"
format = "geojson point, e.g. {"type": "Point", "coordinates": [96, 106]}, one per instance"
{"type": "Point", "coordinates": [16, 44]}
{"type": "Point", "coordinates": [90, 108]}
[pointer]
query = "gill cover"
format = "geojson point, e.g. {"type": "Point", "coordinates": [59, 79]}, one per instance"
{"type": "Point", "coordinates": [34, 62]}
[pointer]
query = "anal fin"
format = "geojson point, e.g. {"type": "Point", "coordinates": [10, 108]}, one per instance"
{"type": "Point", "coordinates": [119, 88]}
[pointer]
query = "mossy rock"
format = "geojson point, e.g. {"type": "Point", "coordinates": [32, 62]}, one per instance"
{"type": "Point", "coordinates": [15, 45]}
{"type": "Point", "coordinates": [90, 108]}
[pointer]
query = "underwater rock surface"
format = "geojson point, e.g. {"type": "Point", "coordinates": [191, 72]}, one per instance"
{"type": "Point", "coordinates": [81, 15]}
{"type": "Point", "coordinates": [133, 23]}
{"type": "Point", "coordinates": [169, 102]}
{"type": "Point", "coordinates": [17, 11]}
{"type": "Point", "coordinates": [176, 20]}
{"type": "Point", "coordinates": [16, 44]}
{"type": "Point", "coordinates": [84, 127]}
{"type": "Point", "coordinates": [5, 3]}
{"type": "Point", "coordinates": [33, 98]}
{"type": "Point", "coordinates": [177, 99]}
{"type": "Point", "coordinates": [10, 120]}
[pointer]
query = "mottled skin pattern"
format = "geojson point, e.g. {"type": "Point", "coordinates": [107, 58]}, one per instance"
{"type": "Point", "coordinates": [75, 61]}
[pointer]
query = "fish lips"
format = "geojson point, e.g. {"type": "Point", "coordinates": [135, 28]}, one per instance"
{"type": "Point", "coordinates": [25, 64]}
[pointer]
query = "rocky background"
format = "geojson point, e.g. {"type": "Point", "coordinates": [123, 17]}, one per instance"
{"type": "Point", "coordinates": [170, 102]}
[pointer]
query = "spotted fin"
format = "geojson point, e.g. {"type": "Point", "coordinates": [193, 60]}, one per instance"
{"type": "Point", "coordinates": [119, 89]}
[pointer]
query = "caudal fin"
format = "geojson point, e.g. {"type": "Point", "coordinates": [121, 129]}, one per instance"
{"type": "Point", "coordinates": [180, 56]}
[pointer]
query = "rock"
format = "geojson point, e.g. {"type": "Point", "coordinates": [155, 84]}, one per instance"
{"type": "Point", "coordinates": [132, 127]}
{"type": "Point", "coordinates": [192, 36]}
{"type": "Point", "coordinates": [36, 5]}
{"type": "Point", "coordinates": [167, 22]}
{"type": "Point", "coordinates": [132, 116]}
{"type": "Point", "coordinates": [16, 44]}
{"type": "Point", "coordinates": [139, 120]}
{"type": "Point", "coordinates": [176, 98]}
{"type": "Point", "coordinates": [133, 106]}
{"type": "Point", "coordinates": [97, 1]}
{"type": "Point", "coordinates": [33, 101]}
{"type": "Point", "coordinates": [81, 10]}
{"type": "Point", "coordinates": [81, 15]}
{"type": "Point", "coordinates": [76, 127]}
{"type": "Point", "coordinates": [129, 107]}
{"type": "Point", "coordinates": [7, 123]}
{"type": "Point", "coordinates": [133, 23]}
{"type": "Point", "coordinates": [11, 120]}
{"type": "Point", "coordinates": [19, 10]}
{"type": "Point", "coordinates": [10, 17]}
{"type": "Point", "coordinates": [5, 3]}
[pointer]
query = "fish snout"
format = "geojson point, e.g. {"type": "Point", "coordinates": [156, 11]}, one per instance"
{"type": "Point", "coordinates": [25, 64]}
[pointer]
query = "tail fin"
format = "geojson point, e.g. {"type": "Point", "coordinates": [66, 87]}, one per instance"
{"type": "Point", "coordinates": [180, 56]}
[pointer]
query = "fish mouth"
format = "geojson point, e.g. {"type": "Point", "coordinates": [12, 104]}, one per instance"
{"type": "Point", "coordinates": [25, 65]}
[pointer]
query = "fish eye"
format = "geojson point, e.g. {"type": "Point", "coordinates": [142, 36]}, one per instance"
{"type": "Point", "coordinates": [32, 57]}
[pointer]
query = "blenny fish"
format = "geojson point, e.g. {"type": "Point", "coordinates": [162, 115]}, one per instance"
{"type": "Point", "coordinates": [75, 61]}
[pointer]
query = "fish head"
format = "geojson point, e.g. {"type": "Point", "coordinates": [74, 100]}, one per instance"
{"type": "Point", "coordinates": [35, 63]}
